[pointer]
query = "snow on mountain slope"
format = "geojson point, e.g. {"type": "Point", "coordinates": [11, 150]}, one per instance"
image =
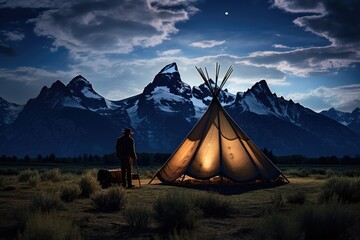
{"type": "Point", "coordinates": [351, 120]}
{"type": "Point", "coordinates": [8, 111]}
{"type": "Point", "coordinates": [82, 121]}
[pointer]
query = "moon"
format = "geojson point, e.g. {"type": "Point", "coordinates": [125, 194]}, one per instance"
{"type": "Point", "coordinates": [226, 13]}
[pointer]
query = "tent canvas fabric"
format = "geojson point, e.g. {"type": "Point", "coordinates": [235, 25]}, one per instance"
{"type": "Point", "coordinates": [216, 146]}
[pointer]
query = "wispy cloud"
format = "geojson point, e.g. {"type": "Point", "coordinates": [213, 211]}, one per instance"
{"type": "Point", "coordinates": [110, 26]}
{"type": "Point", "coordinates": [325, 20]}
{"type": "Point", "coordinates": [280, 46]}
{"type": "Point", "coordinates": [170, 52]}
{"type": "Point", "coordinates": [345, 98]}
{"type": "Point", "coordinates": [207, 43]}
{"type": "Point", "coordinates": [13, 36]}
{"type": "Point", "coordinates": [303, 62]}
{"type": "Point", "coordinates": [32, 74]}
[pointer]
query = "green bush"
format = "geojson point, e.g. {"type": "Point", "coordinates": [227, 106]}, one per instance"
{"type": "Point", "coordinates": [25, 175]}
{"type": "Point", "coordinates": [48, 226]}
{"type": "Point", "coordinates": [297, 197]}
{"type": "Point", "coordinates": [88, 185]}
{"type": "Point", "coordinates": [309, 222]}
{"type": "Point", "coordinates": [346, 190]}
{"type": "Point", "coordinates": [175, 210]}
{"type": "Point", "coordinates": [212, 204]}
{"type": "Point", "coordinates": [112, 199]}
{"type": "Point", "coordinates": [52, 175]}
{"type": "Point", "coordinates": [34, 180]}
{"type": "Point", "coordinates": [138, 217]}
{"type": "Point", "coordinates": [46, 202]}
{"type": "Point", "coordinates": [69, 193]}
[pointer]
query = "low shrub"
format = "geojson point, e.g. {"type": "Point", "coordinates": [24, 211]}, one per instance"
{"type": "Point", "coordinates": [88, 185]}
{"type": "Point", "coordinates": [330, 173]}
{"type": "Point", "coordinates": [25, 175]}
{"type": "Point", "coordinates": [149, 173]}
{"type": "Point", "coordinates": [346, 190]}
{"type": "Point", "coordinates": [34, 180]}
{"type": "Point", "coordinates": [2, 180]}
{"type": "Point", "coordinates": [327, 221]}
{"type": "Point", "coordinates": [297, 173]}
{"type": "Point", "coordinates": [112, 199]}
{"type": "Point", "coordinates": [50, 227]}
{"type": "Point", "coordinates": [351, 172]}
{"type": "Point", "coordinates": [93, 172]}
{"type": "Point", "coordinates": [138, 217]}
{"type": "Point", "coordinates": [21, 215]}
{"type": "Point", "coordinates": [297, 197]}
{"type": "Point", "coordinates": [277, 201]}
{"type": "Point", "coordinates": [46, 202]}
{"type": "Point", "coordinates": [52, 175]}
{"type": "Point", "coordinates": [317, 171]}
{"type": "Point", "coordinates": [309, 222]}
{"type": "Point", "coordinates": [175, 210]}
{"type": "Point", "coordinates": [212, 204]}
{"type": "Point", "coordinates": [69, 193]}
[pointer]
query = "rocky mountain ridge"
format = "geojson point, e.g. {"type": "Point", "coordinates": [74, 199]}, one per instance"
{"type": "Point", "coordinates": [73, 119]}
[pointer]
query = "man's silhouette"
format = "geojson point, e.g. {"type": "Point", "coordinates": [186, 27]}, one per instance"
{"type": "Point", "coordinates": [125, 151]}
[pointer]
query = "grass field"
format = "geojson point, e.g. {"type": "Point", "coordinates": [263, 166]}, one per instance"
{"type": "Point", "coordinates": [31, 207]}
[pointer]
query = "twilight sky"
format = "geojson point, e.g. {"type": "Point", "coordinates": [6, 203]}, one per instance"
{"type": "Point", "coordinates": [306, 50]}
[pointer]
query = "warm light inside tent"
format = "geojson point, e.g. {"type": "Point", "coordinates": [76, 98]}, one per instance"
{"type": "Point", "coordinates": [217, 146]}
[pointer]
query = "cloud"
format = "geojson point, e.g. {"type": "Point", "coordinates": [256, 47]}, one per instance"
{"type": "Point", "coordinates": [22, 83]}
{"type": "Point", "coordinates": [31, 74]}
{"type": "Point", "coordinates": [305, 61]}
{"type": "Point", "coordinates": [110, 26]}
{"type": "Point", "coordinates": [345, 98]}
{"type": "Point", "coordinates": [13, 36]}
{"type": "Point", "coordinates": [6, 50]}
{"type": "Point", "coordinates": [280, 46]}
{"type": "Point", "coordinates": [170, 52]}
{"type": "Point", "coordinates": [325, 20]}
{"type": "Point", "coordinates": [207, 43]}
{"type": "Point", "coordinates": [338, 21]}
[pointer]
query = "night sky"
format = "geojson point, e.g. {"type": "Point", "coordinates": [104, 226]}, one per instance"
{"type": "Point", "coordinates": [306, 50]}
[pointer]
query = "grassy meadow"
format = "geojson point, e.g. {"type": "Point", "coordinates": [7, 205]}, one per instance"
{"type": "Point", "coordinates": [66, 202]}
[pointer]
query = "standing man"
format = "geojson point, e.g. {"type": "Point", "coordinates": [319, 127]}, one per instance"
{"type": "Point", "coordinates": [125, 151]}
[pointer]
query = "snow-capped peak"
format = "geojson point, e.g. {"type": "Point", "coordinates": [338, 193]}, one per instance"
{"type": "Point", "coordinates": [79, 82]}
{"type": "Point", "coordinates": [260, 87]}
{"type": "Point", "coordinates": [168, 69]}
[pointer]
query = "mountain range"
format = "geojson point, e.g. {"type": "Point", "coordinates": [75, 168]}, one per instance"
{"type": "Point", "coordinates": [73, 119]}
{"type": "Point", "coordinates": [351, 120]}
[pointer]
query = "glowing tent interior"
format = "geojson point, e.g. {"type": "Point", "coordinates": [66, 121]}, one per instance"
{"type": "Point", "coordinates": [216, 146]}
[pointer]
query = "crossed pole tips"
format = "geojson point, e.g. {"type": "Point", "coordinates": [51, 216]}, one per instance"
{"type": "Point", "coordinates": [205, 77]}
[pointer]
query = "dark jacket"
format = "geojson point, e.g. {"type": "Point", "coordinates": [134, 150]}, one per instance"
{"type": "Point", "coordinates": [125, 148]}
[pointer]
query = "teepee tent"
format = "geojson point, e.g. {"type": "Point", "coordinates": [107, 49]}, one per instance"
{"type": "Point", "coordinates": [216, 146]}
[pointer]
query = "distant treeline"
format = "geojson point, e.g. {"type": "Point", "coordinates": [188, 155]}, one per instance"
{"type": "Point", "coordinates": [299, 159]}
{"type": "Point", "coordinates": [148, 159]}
{"type": "Point", "coordinates": [144, 159]}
